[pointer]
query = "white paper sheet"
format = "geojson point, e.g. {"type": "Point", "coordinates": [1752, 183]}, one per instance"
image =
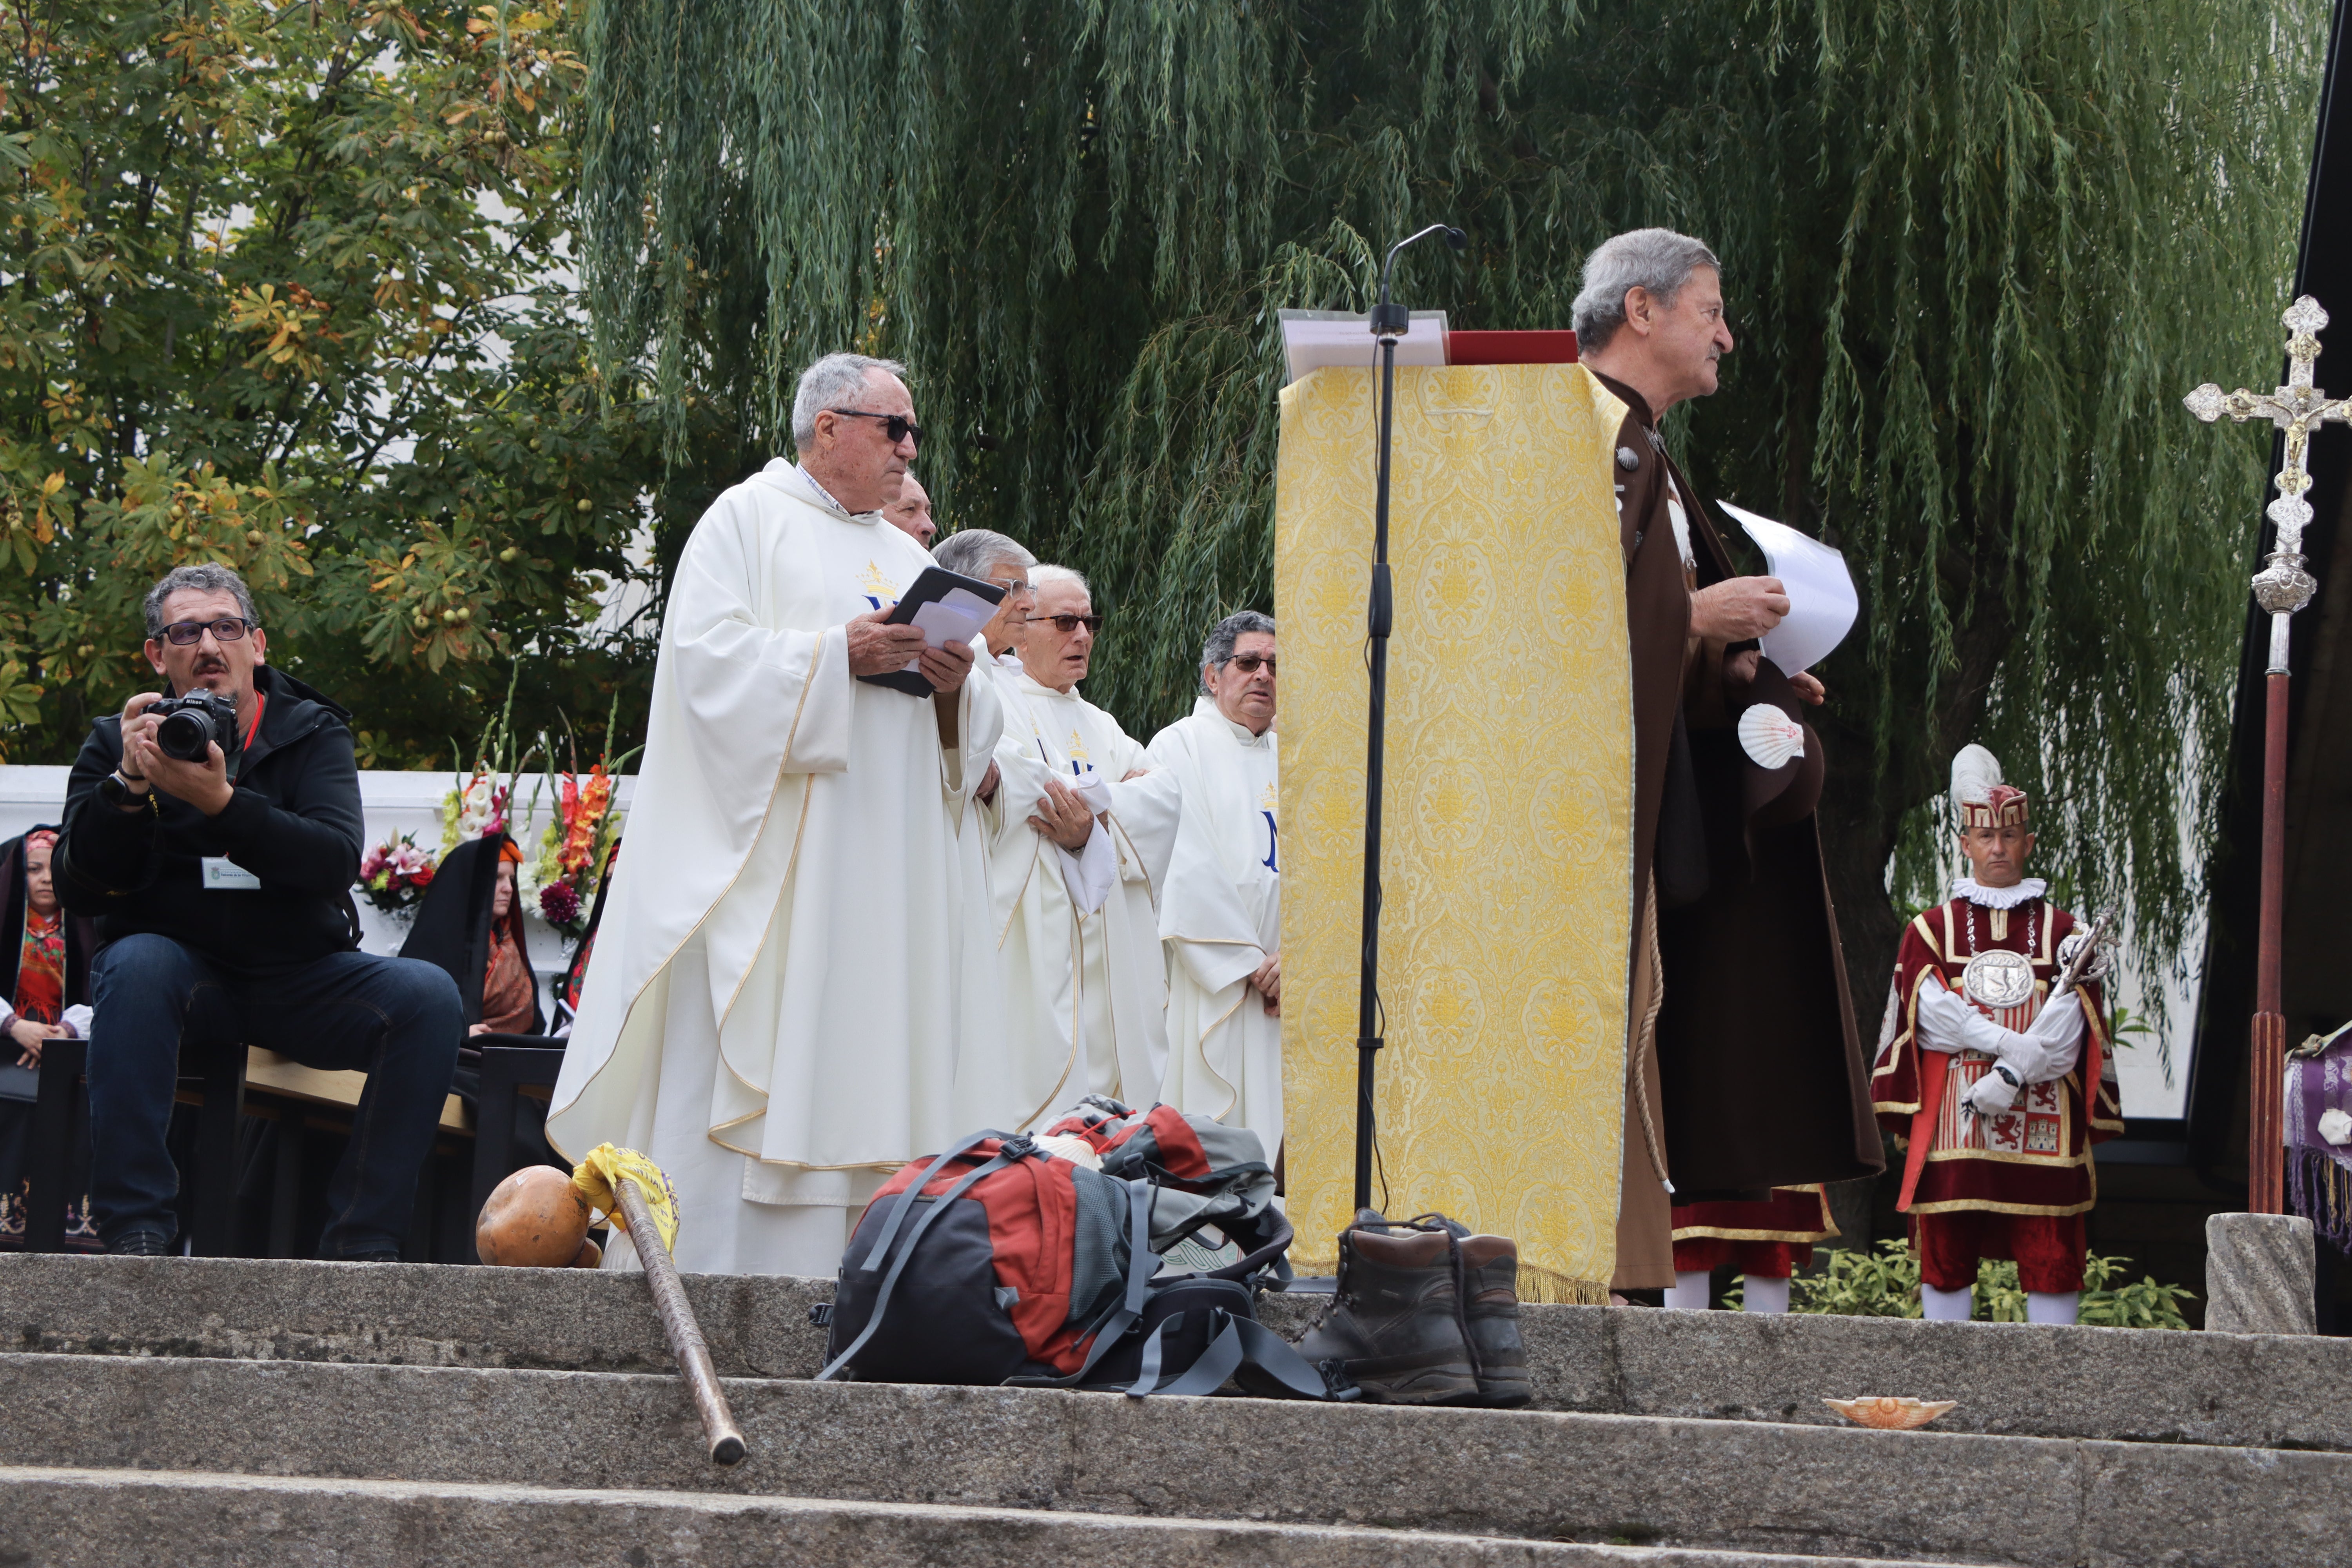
{"type": "Point", "coordinates": [955, 616]}
{"type": "Point", "coordinates": [1821, 600]}
{"type": "Point", "coordinates": [1314, 338]}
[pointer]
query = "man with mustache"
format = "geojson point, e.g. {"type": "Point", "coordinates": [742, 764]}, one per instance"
{"type": "Point", "coordinates": [222, 889]}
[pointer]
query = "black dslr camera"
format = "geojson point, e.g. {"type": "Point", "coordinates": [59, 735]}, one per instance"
{"type": "Point", "coordinates": [189, 722]}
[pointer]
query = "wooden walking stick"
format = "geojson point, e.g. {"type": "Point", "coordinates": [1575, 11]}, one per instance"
{"type": "Point", "coordinates": [538, 1218]}
{"type": "Point", "coordinates": [686, 1339]}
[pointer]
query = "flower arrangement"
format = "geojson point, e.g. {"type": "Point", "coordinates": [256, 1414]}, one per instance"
{"type": "Point", "coordinates": [577, 846]}
{"type": "Point", "coordinates": [396, 873]}
{"type": "Point", "coordinates": [483, 804]}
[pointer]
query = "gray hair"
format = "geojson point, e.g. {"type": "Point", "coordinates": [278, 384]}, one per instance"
{"type": "Point", "coordinates": [1224, 635]}
{"type": "Point", "coordinates": [829, 383]}
{"type": "Point", "coordinates": [1041, 576]}
{"type": "Point", "coordinates": [204, 580]}
{"type": "Point", "coordinates": [976, 552]}
{"type": "Point", "coordinates": [1657, 259]}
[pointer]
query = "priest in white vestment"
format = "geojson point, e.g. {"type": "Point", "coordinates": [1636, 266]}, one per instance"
{"type": "Point", "coordinates": [1221, 901]}
{"type": "Point", "coordinates": [794, 990]}
{"type": "Point", "coordinates": [1082, 832]}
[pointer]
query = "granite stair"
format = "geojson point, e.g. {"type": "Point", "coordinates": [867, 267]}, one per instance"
{"type": "Point", "coordinates": [249, 1411]}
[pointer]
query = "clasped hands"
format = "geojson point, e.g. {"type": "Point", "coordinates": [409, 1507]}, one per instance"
{"type": "Point", "coordinates": [878, 647]}
{"type": "Point", "coordinates": [1738, 609]}
{"type": "Point", "coordinates": [204, 785]}
{"type": "Point", "coordinates": [29, 1037]}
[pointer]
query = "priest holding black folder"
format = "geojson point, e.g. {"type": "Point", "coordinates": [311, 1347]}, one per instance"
{"type": "Point", "coordinates": [795, 989]}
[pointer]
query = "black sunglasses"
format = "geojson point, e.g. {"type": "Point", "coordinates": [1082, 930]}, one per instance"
{"type": "Point", "coordinates": [187, 634]}
{"type": "Point", "coordinates": [1066, 625]}
{"type": "Point", "coordinates": [1248, 663]}
{"type": "Point", "coordinates": [897, 426]}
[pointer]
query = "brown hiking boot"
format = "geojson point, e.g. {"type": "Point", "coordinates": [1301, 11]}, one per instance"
{"type": "Point", "coordinates": [1489, 1294]}
{"type": "Point", "coordinates": [1395, 1325]}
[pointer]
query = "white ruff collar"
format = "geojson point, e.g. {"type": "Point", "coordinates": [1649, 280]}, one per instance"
{"type": "Point", "coordinates": [1968, 887]}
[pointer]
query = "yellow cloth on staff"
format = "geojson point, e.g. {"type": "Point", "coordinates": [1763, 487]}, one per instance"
{"type": "Point", "coordinates": [598, 1180]}
{"type": "Point", "coordinates": [1507, 853]}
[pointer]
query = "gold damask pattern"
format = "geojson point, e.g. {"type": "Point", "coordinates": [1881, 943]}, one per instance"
{"type": "Point", "coordinates": [1508, 820]}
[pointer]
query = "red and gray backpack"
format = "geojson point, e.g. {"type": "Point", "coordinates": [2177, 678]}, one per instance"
{"type": "Point", "coordinates": [1038, 1260]}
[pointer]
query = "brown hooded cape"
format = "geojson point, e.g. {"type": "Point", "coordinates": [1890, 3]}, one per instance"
{"type": "Point", "coordinates": [1750, 1063]}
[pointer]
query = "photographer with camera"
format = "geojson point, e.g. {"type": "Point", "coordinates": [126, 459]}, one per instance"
{"type": "Point", "coordinates": [215, 831]}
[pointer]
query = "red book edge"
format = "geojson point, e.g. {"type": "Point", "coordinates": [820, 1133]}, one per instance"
{"type": "Point", "coordinates": [1510, 348]}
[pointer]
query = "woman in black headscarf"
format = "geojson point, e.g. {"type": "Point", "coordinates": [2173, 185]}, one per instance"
{"type": "Point", "coordinates": [44, 993]}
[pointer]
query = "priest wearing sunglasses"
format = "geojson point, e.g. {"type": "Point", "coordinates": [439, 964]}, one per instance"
{"type": "Point", "coordinates": [1221, 902]}
{"type": "Point", "coordinates": [795, 985]}
{"type": "Point", "coordinates": [1081, 834]}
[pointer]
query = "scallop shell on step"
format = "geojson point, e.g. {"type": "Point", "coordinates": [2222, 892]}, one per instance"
{"type": "Point", "coordinates": [1903, 1414]}
{"type": "Point", "coordinates": [1769, 737]}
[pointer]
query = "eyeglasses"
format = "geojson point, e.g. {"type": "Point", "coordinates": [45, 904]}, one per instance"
{"type": "Point", "coordinates": [1248, 663]}
{"type": "Point", "coordinates": [897, 426]}
{"type": "Point", "coordinates": [186, 634]}
{"type": "Point", "coordinates": [1066, 625]}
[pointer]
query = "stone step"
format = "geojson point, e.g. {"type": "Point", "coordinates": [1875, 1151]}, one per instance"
{"type": "Point", "coordinates": [2011, 1379]}
{"type": "Point", "coordinates": [1723, 1485]}
{"type": "Point", "coordinates": [52, 1517]}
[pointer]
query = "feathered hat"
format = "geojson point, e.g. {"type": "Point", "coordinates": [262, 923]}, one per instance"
{"type": "Point", "coordinates": [1979, 797]}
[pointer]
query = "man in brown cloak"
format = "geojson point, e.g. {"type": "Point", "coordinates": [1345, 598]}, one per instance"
{"type": "Point", "coordinates": [1743, 1069]}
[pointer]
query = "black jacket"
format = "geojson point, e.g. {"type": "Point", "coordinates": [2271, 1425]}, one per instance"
{"type": "Point", "coordinates": [294, 822]}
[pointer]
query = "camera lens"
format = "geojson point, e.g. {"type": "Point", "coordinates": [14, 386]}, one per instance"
{"type": "Point", "coordinates": [185, 736]}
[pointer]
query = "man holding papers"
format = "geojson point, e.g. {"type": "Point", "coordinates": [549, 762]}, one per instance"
{"type": "Point", "coordinates": [794, 990]}
{"type": "Point", "coordinates": [1744, 1072]}
{"type": "Point", "coordinates": [1081, 836]}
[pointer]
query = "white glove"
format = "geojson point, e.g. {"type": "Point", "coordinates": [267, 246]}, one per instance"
{"type": "Point", "coordinates": [1992, 1095]}
{"type": "Point", "coordinates": [2045, 1050]}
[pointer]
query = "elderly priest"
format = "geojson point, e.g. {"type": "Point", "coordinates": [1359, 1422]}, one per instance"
{"type": "Point", "coordinates": [1221, 905]}
{"type": "Point", "coordinates": [1082, 833]}
{"type": "Point", "coordinates": [1744, 1073]}
{"type": "Point", "coordinates": [794, 990]}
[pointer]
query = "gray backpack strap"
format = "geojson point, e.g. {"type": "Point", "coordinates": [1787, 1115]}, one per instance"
{"type": "Point", "coordinates": [907, 1250]}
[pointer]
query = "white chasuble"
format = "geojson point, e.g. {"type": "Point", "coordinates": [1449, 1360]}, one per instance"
{"type": "Point", "coordinates": [1078, 940]}
{"type": "Point", "coordinates": [1221, 912]}
{"type": "Point", "coordinates": [794, 988]}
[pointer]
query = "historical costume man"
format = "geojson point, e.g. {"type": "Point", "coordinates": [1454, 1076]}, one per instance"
{"type": "Point", "coordinates": [1082, 832]}
{"type": "Point", "coordinates": [44, 994]}
{"type": "Point", "coordinates": [2002, 1087]}
{"type": "Point", "coordinates": [1221, 904]}
{"type": "Point", "coordinates": [1725, 1098]}
{"type": "Point", "coordinates": [794, 991]}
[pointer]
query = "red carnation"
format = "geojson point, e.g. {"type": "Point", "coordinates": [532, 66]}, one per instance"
{"type": "Point", "coordinates": [560, 903]}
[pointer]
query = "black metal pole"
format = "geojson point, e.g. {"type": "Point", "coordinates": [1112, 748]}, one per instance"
{"type": "Point", "coordinates": [1380, 617]}
{"type": "Point", "coordinates": [1390, 322]}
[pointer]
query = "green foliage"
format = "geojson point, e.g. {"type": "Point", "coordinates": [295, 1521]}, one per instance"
{"type": "Point", "coordinates": [289, 293]}
{"type": "Point", "coordinates": [1976, 252]}
{"type": "Point", "coordinates": [1884, 1283]}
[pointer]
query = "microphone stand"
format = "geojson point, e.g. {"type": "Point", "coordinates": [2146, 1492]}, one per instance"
{"type": "Point", "coordinates": [1390, 322]}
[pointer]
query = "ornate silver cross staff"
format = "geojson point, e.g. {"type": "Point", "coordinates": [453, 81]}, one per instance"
{"type": "Point", "coordinates": [2281, 587]}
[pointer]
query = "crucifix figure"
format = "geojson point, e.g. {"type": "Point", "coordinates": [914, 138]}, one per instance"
{"type": "Point", "coordinates": [2281, 587]}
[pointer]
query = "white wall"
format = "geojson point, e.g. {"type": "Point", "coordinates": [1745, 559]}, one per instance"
{"type": "Point", "coordinates": [392, 801]}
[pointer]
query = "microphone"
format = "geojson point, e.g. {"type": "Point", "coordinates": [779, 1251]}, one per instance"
{"type": "Point", "coordinates": [1393, 321]}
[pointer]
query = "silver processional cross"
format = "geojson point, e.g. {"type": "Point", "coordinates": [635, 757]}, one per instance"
{"type": "Point", "coordinates": [2281, 587]}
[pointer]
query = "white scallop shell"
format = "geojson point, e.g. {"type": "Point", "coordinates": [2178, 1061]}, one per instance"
{"type": "Point", "coordinates": [1076, 1151]}
{"type": "Point", "coordinates": [1771, 737]}
{"type": "Point", "coordinates": [2335, 1127]}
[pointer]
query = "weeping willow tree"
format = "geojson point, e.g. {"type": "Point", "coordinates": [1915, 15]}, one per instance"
{"type": "Point", "coordinates": [1974, 250]}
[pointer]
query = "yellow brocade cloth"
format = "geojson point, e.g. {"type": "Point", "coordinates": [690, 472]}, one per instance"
{"type": "Point", "coordinates": [1507, 862]}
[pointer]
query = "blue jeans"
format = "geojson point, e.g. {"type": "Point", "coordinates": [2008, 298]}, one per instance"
{"type": "Point", "coordinates": [395, 1019]}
